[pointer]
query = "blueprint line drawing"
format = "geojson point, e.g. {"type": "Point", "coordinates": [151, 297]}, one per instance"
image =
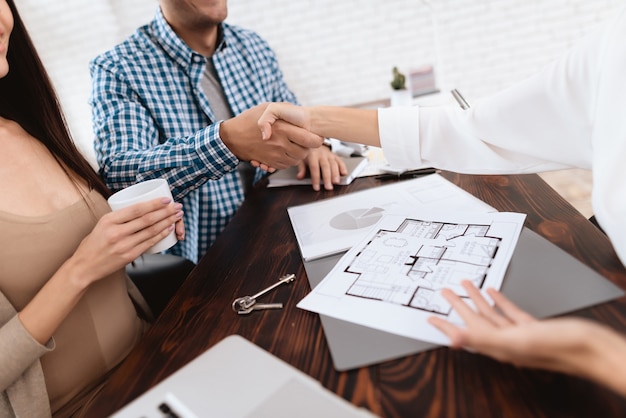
{"type": "Point", "coordinates": [410, 265]}
{"type": "Point", "coordinates": [392, 279]}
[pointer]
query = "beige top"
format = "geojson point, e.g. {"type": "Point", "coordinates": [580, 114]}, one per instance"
{"type": "Point", "coordinates": [104, 325]}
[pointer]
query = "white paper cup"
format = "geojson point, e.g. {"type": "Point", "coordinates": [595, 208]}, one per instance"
{"type": "Point", "coordinates": [141, 192]}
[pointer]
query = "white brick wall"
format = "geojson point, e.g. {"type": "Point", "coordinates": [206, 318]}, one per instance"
{"type": "Point", "coordinates": [336, 51]}
{"type": "Point", "coordinates": [342, 52]}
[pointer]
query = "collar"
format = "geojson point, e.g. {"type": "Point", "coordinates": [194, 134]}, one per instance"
{"type": "Point", "coordinates": [175, 47]}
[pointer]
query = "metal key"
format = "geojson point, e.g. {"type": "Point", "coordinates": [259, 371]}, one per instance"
{"type": "Point", "coordinates": [259, 307]}
{"type": "Point", "coordinates": [246, 302]}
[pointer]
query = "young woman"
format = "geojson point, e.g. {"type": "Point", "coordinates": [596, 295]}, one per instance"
{"type": "Point", "coordinates": [569, 115]}
{"type": "Point", "coordinates": [66, 317]}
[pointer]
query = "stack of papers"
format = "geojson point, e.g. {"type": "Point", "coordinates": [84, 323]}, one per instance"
{"type": "Point", "coordinates": [392, 279]}
{"type": "Point", "coordinates": [406, 242]}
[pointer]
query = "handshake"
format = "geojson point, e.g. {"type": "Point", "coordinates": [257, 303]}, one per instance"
{"type": "Point", "coordinates": [279, 135]}
{"type": "Point", "coordinates": [271, 136]}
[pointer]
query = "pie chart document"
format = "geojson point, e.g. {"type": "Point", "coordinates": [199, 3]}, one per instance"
{"type": "Point", "coordinates": [334, 225]}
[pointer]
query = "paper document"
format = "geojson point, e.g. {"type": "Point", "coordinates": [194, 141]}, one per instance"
{"type": "Point", "coordinates": [392, 279]}
{"type": "Point", "coordinates": [287, 176]}
{"type": "Point", "coordinates": [334, 225]}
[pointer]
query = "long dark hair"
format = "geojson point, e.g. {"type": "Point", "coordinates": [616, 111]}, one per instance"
{"type": "Point", "coordinates": [28, 98]}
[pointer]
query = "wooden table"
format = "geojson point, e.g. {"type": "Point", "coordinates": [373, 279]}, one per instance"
{"type": "Point", "coordinates": [259, 245]}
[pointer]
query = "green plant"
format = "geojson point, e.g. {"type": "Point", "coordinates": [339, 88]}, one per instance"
{"type": "Point", "coordinates": [399, 80]}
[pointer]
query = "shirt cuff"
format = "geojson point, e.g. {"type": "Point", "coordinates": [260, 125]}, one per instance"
{"type": "Point", "coordinates": [398, 129]}
{"type": "Point", "coordinates": [215, 155]}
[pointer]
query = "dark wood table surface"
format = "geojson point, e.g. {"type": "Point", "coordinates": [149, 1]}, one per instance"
{"type": "Point", "coordinates": [259, 245]}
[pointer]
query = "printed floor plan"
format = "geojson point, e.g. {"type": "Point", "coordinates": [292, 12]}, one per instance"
{"type": "Point", "coordinates": [410, 265]}
{"type": "Point", "coordinates": [392, 279]}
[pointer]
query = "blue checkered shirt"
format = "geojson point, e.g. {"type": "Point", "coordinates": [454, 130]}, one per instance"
{"type": "Point", "coordinates": [152, 119]}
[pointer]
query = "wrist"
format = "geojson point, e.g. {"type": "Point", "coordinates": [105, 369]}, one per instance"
{"type": "Point", "coordinates": [225, 133]}
{"type": "Point", "coordinates": [74, 275]}
{"type": "Point", "coordinates": [606, 361]}
{"type": "Point", "coordinates": [317, 121]}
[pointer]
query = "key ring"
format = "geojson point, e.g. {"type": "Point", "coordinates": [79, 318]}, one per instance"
{"type": "Point", "coordinates": [246, 304]}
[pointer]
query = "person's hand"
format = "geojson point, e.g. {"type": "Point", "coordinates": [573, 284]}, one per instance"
{"type": "Point", "coordinates": [290, 113]}
{"type": "Point", "coordinates": [286, 146]}
{"type": "Point", "coordinates": [507, 333]}
{"type": "Point", "coordinates": [121, 236]}
{"type": "Point", "coordinates": [322, 164]}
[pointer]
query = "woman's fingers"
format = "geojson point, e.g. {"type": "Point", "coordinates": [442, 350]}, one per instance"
{"type": "Point", "coordinates": [144, 223]}
{"type": "Point", "coordinates": [483, 307]}
{"type": "Point", "coordinates": [509, 308]}
{"type": "Point", "coordinates": [506, 333]}
{"type": "Point", "coordinates": [153, 232]}
{"type": "Point", "coordinates": [463, 309]}
{"type": "Point", "coordinates": [478, 326]}
{"type": "Point", "coordinates": [142, 215]}
{"type": "Point", "coordinates": [138, 210]}
{"type": "Point", "coordinates": [511, 314]}
{"type": "Point", "coordinates": [457, 335]}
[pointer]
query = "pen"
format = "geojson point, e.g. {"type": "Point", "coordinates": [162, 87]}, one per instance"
{"type": "Point", "coordinates": [406, 174]}
{"type": "Point", "coordinates": [460, 99]}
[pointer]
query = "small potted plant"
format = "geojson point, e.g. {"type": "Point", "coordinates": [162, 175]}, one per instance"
{"type": "Point", "coordinates": [400, 95]}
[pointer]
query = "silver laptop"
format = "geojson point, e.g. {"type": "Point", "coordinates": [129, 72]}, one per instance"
{"type": "Point", "coordinates": [542, 279]}
{"type": "Point", "coordinates": [236, 378]}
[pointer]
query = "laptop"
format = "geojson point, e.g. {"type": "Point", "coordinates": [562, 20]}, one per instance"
{"type": "Point", "coordinates": [235, 378]}
{"type": "Point", "coordinates": [541, 278]}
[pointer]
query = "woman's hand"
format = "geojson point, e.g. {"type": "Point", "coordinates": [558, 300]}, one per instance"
{"type": "Point", "coordinates": [507, 333]}
{"type": "Point", "coordinates": [121, 236]}
{"type": "Point", "coordinates": [295, 115]}
{"type": "Point", "coordinates": [295, 121]}
{"type": "Point", "coordinates": [118, 238]}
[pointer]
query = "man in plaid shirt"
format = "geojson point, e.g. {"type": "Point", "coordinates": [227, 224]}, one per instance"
{"type": "Point", "coordinates": [180, 99]}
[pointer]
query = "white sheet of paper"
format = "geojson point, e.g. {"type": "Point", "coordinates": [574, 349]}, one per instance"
{"type": "Point", "coordinates": [333, 225]}
{"type": "Point", "coordinates": [392, 279]}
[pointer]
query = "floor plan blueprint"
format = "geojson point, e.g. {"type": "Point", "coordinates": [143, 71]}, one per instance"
{"type": "Point", "coordinates": [392, 280]}
{"type": "Point", "coordinates": [411, 264]}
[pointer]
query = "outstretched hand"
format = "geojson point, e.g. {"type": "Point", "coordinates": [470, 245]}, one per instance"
{"type": "Point", "coordinates": [276, 115]}
{"type": "Point", "coordinates": [507, 333]}
{"type": "Point", "coordinates": [290, 113]}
